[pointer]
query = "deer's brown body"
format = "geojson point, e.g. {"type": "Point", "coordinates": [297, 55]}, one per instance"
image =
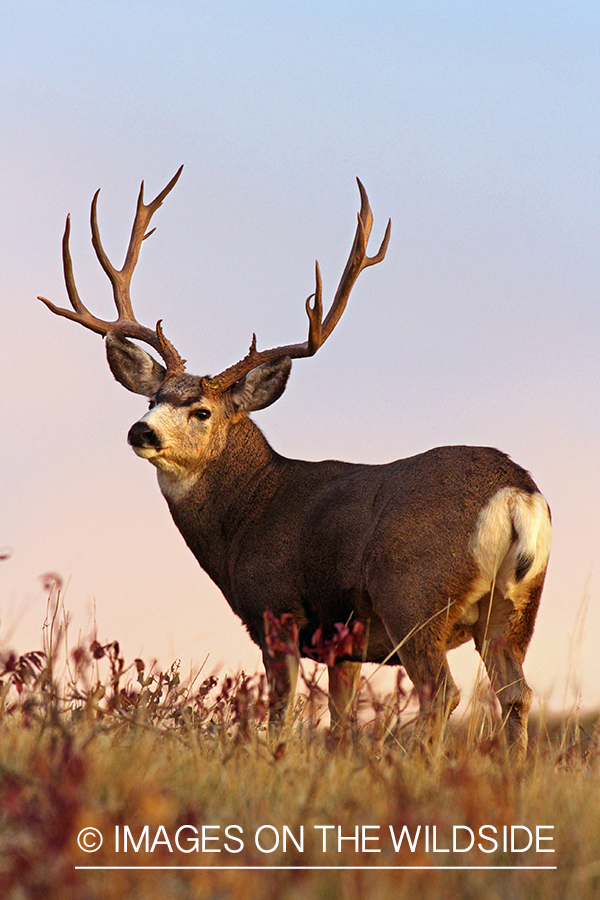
{"type": "Point", "coordinates": [332, 541]}
{"type": "Point", "coordinates": [427, 552]}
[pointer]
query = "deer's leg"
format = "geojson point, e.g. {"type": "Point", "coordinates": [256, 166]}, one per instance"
{"type": "Point", "coordinates": [343, 686]}
{"type": "Point", "coordinates": [282, 676]}
{"type": "Point", "coordinates": [503, 662]}
{"type": "Point", "coordinates": [427, 668]}
{"type": "Point", "coordinates": [420, 639]}
{"type": "Point", "coordinates": [423, 656]}
{"type": "Point", "coordinates": [502, 635]}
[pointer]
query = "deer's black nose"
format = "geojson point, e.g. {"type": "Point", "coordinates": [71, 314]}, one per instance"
{"type": "Point", "coordinates": [142, 435]}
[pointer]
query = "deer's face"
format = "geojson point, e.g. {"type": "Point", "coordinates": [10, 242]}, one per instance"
{"type": "Point", "coordinates": [188, 422]}
{"type": "Point", "coordinates": [183, 429]}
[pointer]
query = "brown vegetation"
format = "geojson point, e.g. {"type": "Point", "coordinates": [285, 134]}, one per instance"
{"type": "Point", "coordinates": [159, 764]}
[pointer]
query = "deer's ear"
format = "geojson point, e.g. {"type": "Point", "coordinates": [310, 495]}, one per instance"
{"type": "Point", "coordinates": [261, 386]}
{"type": "Point", "coordinates": [133, 367]}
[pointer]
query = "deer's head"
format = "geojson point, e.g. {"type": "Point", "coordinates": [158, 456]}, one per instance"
{"type": "Point", "coordinates": [189, 416]}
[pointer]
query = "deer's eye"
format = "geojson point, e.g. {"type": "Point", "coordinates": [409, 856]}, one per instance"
{"type": "Point", "coordinates": [200, 413]}
{"type": "Point", "coordinates": [152, 404]}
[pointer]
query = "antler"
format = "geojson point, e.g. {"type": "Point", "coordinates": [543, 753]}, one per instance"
{"type": "Point", "coordinates": [126, 324]}
{"type": "Point", "coordinates": [318, 329]}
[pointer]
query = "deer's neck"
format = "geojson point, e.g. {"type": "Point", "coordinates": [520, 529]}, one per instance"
{"type": "Point", "coordinates": [213, 507]}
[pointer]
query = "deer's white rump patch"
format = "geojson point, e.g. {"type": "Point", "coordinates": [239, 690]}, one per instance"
{"type": "Point", "coordinates": [513, 534]}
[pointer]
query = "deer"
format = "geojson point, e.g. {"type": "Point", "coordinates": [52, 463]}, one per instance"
{"type": "Point", "coordinates": [427, 553]}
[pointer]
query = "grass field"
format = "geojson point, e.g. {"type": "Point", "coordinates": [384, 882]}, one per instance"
{"type": "Point", "coordinates": [175, 774]}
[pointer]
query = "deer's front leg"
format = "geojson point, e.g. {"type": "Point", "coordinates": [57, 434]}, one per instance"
{"type": "Point", "coordinates": [343, 687]}
{"type": "Point", "coordinates": [282, 675]}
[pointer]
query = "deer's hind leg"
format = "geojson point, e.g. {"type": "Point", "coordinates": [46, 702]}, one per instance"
{"type": "Point", "coordinates": [422, 646]}
{"type": "Point", "coordinates": [427, 667]}
{"type": "Point", "coordinates": [502, 635]}
{"type": "Point", "coordinates": [420, 637]}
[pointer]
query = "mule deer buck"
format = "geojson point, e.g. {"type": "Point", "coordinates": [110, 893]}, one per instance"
{"type": "Point", "coordinates": [427, 552]}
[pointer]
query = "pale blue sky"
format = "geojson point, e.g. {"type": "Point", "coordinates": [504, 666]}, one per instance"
{"type": "Point", "coordinates": [474, 126]}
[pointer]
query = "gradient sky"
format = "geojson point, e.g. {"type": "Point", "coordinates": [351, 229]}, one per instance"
{"type": "Point", "coordinates": [474, 126]}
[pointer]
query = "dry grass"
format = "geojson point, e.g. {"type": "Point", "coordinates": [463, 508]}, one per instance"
{"type": "Point", "coordinates": [87, 741]}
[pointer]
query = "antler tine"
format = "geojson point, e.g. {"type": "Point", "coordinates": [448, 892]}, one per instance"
{"type": "Point", "coordinates": [80, 313]}
{"type": "Point", "coordinates": [121, 278]}
{"type": "Point", "coordinates": [315, 313]}
{"type": "Point", "coordinates": [126, 324]}
{"type": "Point", "coordinates": [357, 261]}
{"type": "Point", "coordinates": [318, 329]}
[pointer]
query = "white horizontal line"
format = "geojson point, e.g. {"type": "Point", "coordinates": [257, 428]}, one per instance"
{"type": "Point", "coordinates": [319, 868]}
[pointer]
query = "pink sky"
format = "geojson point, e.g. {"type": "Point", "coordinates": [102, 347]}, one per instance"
{"type": "Point", "coordinates": [476, 131]}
